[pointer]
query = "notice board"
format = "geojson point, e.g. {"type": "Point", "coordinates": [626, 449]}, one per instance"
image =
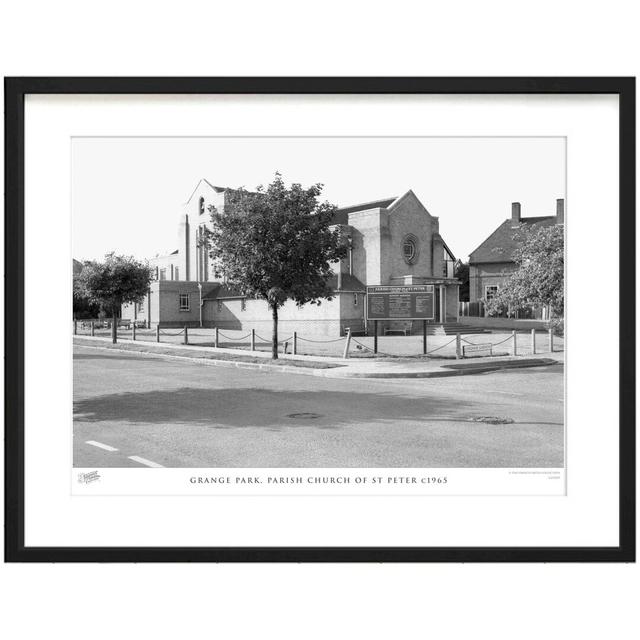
{"type": "Point", "coordinates": [415, 302]}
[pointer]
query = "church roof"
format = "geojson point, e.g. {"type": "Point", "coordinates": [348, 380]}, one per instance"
{"type": "Point", "coordinates": [211, 186]}
{"type": "Point", "coordinates": [216, 189]}
{"type": "Point", "coordinates": [341, 215]}
{"type": "Point", "coordinates": [502, 243]}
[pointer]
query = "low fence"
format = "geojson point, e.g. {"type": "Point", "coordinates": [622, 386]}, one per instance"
{"type": "Point", "coordinates": [478, 310]}
{"type": "Point", "coordinates": [457, 346]}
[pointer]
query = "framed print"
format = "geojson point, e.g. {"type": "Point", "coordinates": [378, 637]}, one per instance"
{"type": "Point", "coordinates": [320, 319]}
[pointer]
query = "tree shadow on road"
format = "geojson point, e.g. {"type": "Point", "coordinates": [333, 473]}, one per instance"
{"type": "Point", "coordinates": [273, 409]}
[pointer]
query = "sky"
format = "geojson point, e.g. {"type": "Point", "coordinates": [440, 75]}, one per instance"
{"type": "Point", "coordinates": [127, 192]}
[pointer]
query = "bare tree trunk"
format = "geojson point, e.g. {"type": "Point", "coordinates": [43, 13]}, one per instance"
{"type": "Point", "coordinates": [114, 328]}
{"type": "Point", "coordinates": [274, 334]}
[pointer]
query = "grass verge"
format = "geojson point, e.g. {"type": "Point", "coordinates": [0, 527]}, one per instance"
{"type": "Point", "coordinates": [208, 355]}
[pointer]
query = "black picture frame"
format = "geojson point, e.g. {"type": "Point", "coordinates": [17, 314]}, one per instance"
{"type": "Point", "coordinates": [15, 91]}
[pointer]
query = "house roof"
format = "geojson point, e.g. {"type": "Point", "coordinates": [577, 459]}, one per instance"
{"type": "Point", "coordinates": [502, 243]}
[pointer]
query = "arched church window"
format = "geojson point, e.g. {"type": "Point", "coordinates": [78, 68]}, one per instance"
{"type": "Point", "coordinates": [201, 205]}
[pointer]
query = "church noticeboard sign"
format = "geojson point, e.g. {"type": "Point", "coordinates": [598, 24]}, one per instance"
{"type": "Point", "coordinates": [400, 303]}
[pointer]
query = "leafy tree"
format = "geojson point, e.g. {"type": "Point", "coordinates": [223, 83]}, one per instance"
{"type": "Point", "coordinates": [461, 272]}
{"type": "Point", "coordinates": [82, 306]}
{"type": "Point", "coordinates": [116, 281]}
{"type": "Point", "coordinates": [539, 278]}
{"type": "Point", "coordinates": [276, 244]}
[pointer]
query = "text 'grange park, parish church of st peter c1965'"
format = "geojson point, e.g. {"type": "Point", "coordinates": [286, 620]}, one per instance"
{"type": "Point", "coordinates": [395, 241]}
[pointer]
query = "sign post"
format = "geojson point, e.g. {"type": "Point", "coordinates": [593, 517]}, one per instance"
{"type": "Point", "coordinates": [414, 302]}
{"type": "Point", "coordinates": [375, 336]}
{"type": "Point", "coordinates": [424, 337]}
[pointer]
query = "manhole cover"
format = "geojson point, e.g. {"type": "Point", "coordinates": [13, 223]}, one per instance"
{"type": "Point", "coordinates": [492, 420]}
{"type": "Point", "coordinates": [306, 416]}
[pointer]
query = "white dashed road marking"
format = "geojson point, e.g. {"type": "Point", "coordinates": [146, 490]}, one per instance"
{"type": "Point", "coordinates": [146, 462]}
{"type": "Point", "coordinates": [106, 447]}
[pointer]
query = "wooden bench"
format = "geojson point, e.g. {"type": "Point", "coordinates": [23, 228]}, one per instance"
{"type": "Point", "coordinates": [404, 328]}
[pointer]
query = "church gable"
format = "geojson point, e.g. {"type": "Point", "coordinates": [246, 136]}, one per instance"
{"type": "Point", "coordinates": [408, 201]}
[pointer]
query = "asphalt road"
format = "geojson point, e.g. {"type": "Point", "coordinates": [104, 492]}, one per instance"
{"type": "Point", "coordinates": [138, 410]}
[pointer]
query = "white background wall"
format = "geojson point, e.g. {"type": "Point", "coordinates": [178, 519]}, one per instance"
{"type": "Point", "coordinates": [306, 601]}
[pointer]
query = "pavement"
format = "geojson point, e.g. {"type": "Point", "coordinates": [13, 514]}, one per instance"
{"type": "Point", "coordinates": [381, 367]}
{"type": "Point", "coordinates": [139, 410]}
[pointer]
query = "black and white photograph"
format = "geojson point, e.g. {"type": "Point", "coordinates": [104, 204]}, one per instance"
{"type": "Point", "coordinates": [319, 302]}
{"type": "Point", "coordinates": [321, 320]}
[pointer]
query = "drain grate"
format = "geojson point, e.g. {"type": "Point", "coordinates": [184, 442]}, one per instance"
{"type": "Point", "coordinates": [305, 416]}
{"type": "Point", "coordinates": [492, 420]}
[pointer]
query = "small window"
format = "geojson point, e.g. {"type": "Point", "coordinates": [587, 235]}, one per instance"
{"type": "Point", "coordinates": [163, 274]}
{"type": "Point", "coordinates": [490, 291]}
{"type": "Point", "coordinates": [184, 302]}
{"type": "Point", "coordinates": [243, 304]}
{"type": "Point", "coordinates": [201, 205]}
{"type": "Point", "coordinates": [219, 305]}
{"type": "Point", "coordinates": [355, 299]}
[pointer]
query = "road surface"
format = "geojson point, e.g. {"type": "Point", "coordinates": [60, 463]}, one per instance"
{"type": "Point", "coordinates": [133, 410]}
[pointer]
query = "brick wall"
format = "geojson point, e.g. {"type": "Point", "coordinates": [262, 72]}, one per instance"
{"type": "Point", "coordinates": [312, 320]}
{"type": "Point", "coordinates": [481, 275]}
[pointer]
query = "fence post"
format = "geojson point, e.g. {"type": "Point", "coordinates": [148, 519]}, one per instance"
{"type": "Point", "coordinates": [347, 342]}
{"type": "Point", "coordinates": [458, 347]}
{"type": "Point", "coordinates": [550, 339]}
{"type": "Point", "coordinates": [93, 329]}
{"type": "Point", "coordinates": [375, 336]}
{"type": "Point", "coordinates": [424, 337]}
{"type": "Point", "coordinates": [186, 335]}
{"type": "Point", "coordinates": [75, 327]}
{"type": "Point", "coordinates": [253, 339]}
{"type": "Point", "coordinates": [295, 343]}
{"type": "Point", "coordinates": [533, 342]}
{"type": "Point", "coordinates": [158, 332]}
{"type": "Point", "coordinates": [215, 339]}
{"type": "Point", "coordinates": [515, 342]}
{"type": "Point", "coordinates": [133, 331]}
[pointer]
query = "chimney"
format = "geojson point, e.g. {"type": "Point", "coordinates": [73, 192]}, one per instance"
{"type": "Point", "coordinates": [560, 211]}
{"type": "Point", "coordinates": [515, 212]}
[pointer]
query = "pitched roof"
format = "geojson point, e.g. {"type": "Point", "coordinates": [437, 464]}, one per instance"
{"type": "Point", "coordinates": [212, 186]}
{"type": "Point", "coordinates": [341, 215]}
{"type": "Point", "coordinates": [501, 244]}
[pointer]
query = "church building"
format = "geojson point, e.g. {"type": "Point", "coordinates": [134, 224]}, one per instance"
{"type": "Point", "coordinates": [394, 241]}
